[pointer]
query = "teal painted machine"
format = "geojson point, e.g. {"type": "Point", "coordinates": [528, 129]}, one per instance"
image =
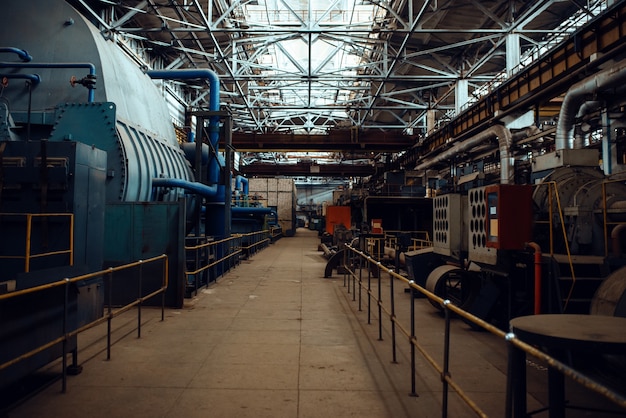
{"type": "Point", "coordinates": [86, 134]}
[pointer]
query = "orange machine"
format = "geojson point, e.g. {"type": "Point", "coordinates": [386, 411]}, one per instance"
{"type": "Point", "coordinates": [337, 215]}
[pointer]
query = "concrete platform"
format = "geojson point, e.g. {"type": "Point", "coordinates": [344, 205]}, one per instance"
{"type": "Point", "coordinates": [274, 338]}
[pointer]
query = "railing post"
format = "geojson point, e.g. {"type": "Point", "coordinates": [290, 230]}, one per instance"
{"type": "Point", "coordinates": [139, 297]}
{"type": "Point", "coordinates": [197, 261]}
{"type": "Point", "coordinates": [29, 226]}
{"type": "Point", "coordinates": [379, 302]}
{"type": "Point", "coordinates": [109, 312]}
{"type": "Point", "coordinates": [393, 319]}
{"type": "Point", "coordinates": [412, 339]}
{"type": "Point", "coordinates": [64, 344]}
{"type": "Point", "coordinates": [163, 284]}
{"type": "Point", "coordinates": [369, 291]}
{"type": "Point", "coordinates": [360, 279]}
{"type": "Point", "coordinates": [446, 359]}
{"type": "Point", "coordinates": [353, 275]}
{"type": "Point", "coordinates": [345, 255]}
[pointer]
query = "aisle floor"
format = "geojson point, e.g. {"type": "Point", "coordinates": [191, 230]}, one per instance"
{"type": "Point", "coordinates": [273, 338]}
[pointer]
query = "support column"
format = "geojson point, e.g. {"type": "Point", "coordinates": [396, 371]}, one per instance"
{"type": "Point", "coordinates": [460, 94]}
{"type": "Point", "coordinates": [512, 52]}
{"type": "Point", "coordinates": [430, 121]}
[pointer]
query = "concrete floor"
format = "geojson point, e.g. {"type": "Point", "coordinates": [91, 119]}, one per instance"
{"type": "Point", "coordinates": [273, 338]}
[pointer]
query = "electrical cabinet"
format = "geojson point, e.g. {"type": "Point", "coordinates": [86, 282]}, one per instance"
{"type": "Point", "coordinates": [509, 216]}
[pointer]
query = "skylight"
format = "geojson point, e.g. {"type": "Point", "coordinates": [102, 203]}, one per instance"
{"type": "Point", "coordinates": [303, 63]}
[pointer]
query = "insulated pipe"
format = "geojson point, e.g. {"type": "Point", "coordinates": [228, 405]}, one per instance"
{"type": "Point", "coordinates": [88, 65]}
{"type": "Point", "coordinates": [21, 53]}
{"type": "Point", "coordinates": [537, 290]}
{"type": "Point", "coordinates": [577, 95]}
{"type": "Point", "coordinates": [34, 78]}
{"type": "Point", "coordinates": [504, 143]}
{"type": "Point", "coordinates": [194, 187]}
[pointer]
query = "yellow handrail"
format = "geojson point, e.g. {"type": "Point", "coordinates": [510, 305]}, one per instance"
{"type": "Point", "coordinates": [447, 305]}
{"type": "Point", "coordinates": [566, 242]}
{"type": "Point", "coordinates": [28, 256]}
{"type": "Point", "coordinates": [106, 317]}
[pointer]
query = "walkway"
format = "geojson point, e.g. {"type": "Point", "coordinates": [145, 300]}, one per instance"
{"type": "Point", "coordinates": [273, 338]}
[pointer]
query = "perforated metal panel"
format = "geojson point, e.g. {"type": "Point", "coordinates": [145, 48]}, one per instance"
{"type": "Point", "coordinates": [477, 233]}
{"type": "Point", "coordinates": [448, 219]}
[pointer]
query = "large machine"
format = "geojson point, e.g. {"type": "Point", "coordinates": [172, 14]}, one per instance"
{"type": "Point", "coordinates": [93, 174]}
{"type": "Point", "coordinates": [543, 230]}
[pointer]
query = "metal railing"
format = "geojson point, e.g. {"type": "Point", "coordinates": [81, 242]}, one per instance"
{"type": "Point", "coordinates": [419, 239]}
{"type": "Point", "coordinates": [28, 255]}
{"type": "Point", "coordinates": [108, 316]}
{"type": "Point", "coordinates": [207, 255]}
{"type": "Point", "coordinates": [275, 233]}
{"type": "Point", "coordinates": [252, 241]}
{"type": "Point", "coordinates": [208, 259]}
{"type": "Point", "coordinates": [355, 261]}
{"type": "Point", "coordinates": [376, 244]}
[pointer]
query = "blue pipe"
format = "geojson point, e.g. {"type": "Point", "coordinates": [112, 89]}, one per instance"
{"type": "Point", "coordinates": [238, 181]}
{"type": "Point", "coordinates": [21, 53]}
{"type": "Point", "coordinates": [90, 66]}
{"type": "Point", "coordinates": [34, 78]}
{"type": "Point", "coordinates": [213, 169]}
{"type": "Point", "coordinates": [194, 187]}
{"type": "Point", "coordinates": [190, 150]}
{"type": "Point", "coordinates": [236, 210]}
{"type": "Point", "coordinates": [214, 104]}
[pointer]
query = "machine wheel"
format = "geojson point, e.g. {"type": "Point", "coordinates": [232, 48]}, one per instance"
{"type": "Point", "coordinates": [454, 284]}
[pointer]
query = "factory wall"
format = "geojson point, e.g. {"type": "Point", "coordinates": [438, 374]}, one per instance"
{"type": "Point", "coordinates": [280, 194]}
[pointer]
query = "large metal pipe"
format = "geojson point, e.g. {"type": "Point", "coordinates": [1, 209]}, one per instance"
{"type": "Point", "coordinates": [578, 94]}
{"type": "Point", "coordinates": [194, 187]}
{"type": "Point", "coordinates": [504, 143]}
{"type": "Point", "coordinates": [189, 148]}
{"type": "Point", "coordinates": [255, 211]}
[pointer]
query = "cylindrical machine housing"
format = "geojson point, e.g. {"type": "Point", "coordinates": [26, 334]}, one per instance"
{"type": "Point", "coordinates": [143, 145]}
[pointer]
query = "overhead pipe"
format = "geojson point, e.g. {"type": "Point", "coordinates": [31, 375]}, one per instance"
{"type": "Point", "coordinates": [504, 143]}
{"type": "Point", "coordinates": [578, 94]}
{"type": "Point", "coordinates": [21, 53]}
{"type": "Point", "coordinates": [214, 92]}
{"type": "Point", "coordinates": [89, 81]}
{"type": "Point", "coordinates": [194, 187]}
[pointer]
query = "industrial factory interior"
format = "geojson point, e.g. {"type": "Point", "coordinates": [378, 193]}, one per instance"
{"type": "Point", "coordinates": [313, 208]}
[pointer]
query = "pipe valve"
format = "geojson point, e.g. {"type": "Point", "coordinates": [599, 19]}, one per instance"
{"type": "Point", "coordinates": [88, 81]}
